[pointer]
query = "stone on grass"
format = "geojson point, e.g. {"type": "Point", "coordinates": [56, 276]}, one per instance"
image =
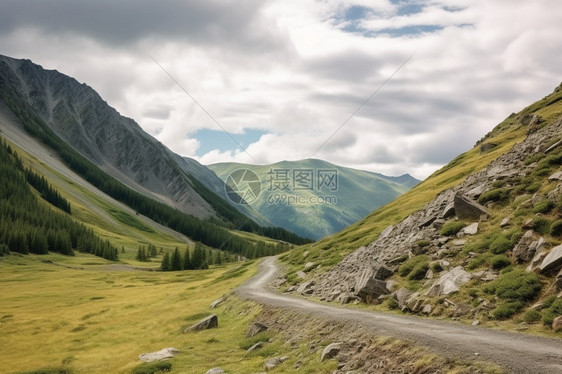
{"type": "Point", "coordinates": [272, 363]}
{"type": "Point", "coordinates": [557, 324]}
{"type": "Point", "coordinates": [556, 176]}
{"type": "Point", "coordinates": [256, 328]}
{"type": "Point", "coordinates": [216, 303]}
{"type": "Point", "coordinates": [504, 222]}
{"type": "Point", "coordinates": [331, 351]}
{"type": "Point", "coordinates": [471, 229]}
{"type": "Point", "coordinates": [215, 371]}
{"type": "Point", "coordinates": [308, 265]}
{"type": "Point", "coordinates": [256, 346]}
{"type": "Point", "coordinates": [553, 261]}
{"type": "Point", "coordinates": [206, 323]}
{"type": "Point", "coordinates": [449, 282]}
{"type": "Point", "coordinates": [160, 355]}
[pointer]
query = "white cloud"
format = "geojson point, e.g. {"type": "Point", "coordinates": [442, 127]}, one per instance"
{"type": "Point", "coordinates": [288, 67]}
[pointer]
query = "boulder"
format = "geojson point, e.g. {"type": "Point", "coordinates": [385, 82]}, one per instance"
{"type": "Point", "coordinates": [536, 261]}
{"type": "Point", "coordinates": [427, 308]}
{"type": "Point", "coordinates": [215, 371]}
{"type": "Point", "coordinates": [308, 265]}
{"type": "Point", "coordinates": [521, 251]}
{"type": "Point", "coordinates": [216, 303]}
{"type": "Point", "coordinates": [402, 295]}
{"type": "Point", "coordinates": [271, 363]}
{"type": "Point", "coordinates": [466, 208]}
{"type": "Point", "coordinates": [301, 274]}
{"type": "Point", "coordinates": [305, 288]}
{"type": "Point", "coordinates": [556, 194]}
{"type": "Point", "coordinates": [449, 211]}
{"type": "Point", "coordinates": [206, 323]}
{"type": "Point", "coordinates": [331, 351]}
{"type": "Point", "coordinates": [471, 229]}
{"type": "Point", "coordinates": [449, 282]}
{"type": "Point", "coordinates": [256, 328]}
{"type": "Point", "coordinates": [556, 176]}
{"type": "Point", "coordinates": [552, 262]}
{"type": "Point", "coordinates": [462, 309]}
{"type": "Point", "coordinates": [476, 191]}
{"type": "Point", "coordinates": [557, 324]}
{"type": "Point", "coordinates": [160, 355]}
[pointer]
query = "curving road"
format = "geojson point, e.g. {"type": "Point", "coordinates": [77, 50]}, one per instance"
{"type": "Point", "coordinates": [516, 353]}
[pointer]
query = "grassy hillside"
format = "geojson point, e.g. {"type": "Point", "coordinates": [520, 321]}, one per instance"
{"type": "Point", "coordinates": [314, 210]}
{"type": "Point", "coordinates": [331, 250]}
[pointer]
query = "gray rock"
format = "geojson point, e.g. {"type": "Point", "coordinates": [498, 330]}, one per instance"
{"type": "Point", "coordinates": [476, 191]}
{"type": "Point", "coordinates": [466, 208]}
{"type": "Point", "coordinates": [256, 346]}
{"type": "Point", "coordinates": [402, 295]}
{"type": "Point", "coordinates": [475, 322]}
{"type": "Point", "coordinates": [438, 223]}
{"type": "Point", "coordinates": [256, 328]}
{"type": "Point", "coordinates": [160, 355]}
{"type": "Point", "coordinates": [552, 262]}
{"type": "Point", "coordinates": [386, 232]}
{"type": "Point", "coordinates": [308, 266]}
{"type": "Point", "coordinates": [554, 146]}
{"type": "Point", "coordinates": [449, 282]}
{"type": "Point", "coordinates": [462, 309]}
{"type": "Point", "coordinates": [471, 229]}
{"type": "Point", "coordinates": [331, 351]}
{"type": "Point", "coordinates": [368, 287]}
{"type": "Point", "coordinates": [536, 261]}
{"type": "Point", "coordinates": [449, 211]}
{"type": "Point", "coordinates": [504, 222]}
{"type": "Point", "coordinates": [206, 323]}
{"type": "Point", "coordinates": [556, 176]}
{"type": "Point", "coordinates": [216, 303]}
{"type": "Point", "coordinates": [272, 363]}
{"type": "Point", "coordinates": [521, 251]}
{"type": "Point", "coordinates": [557, 324]}
{"type": "Point", "coordinates": [427, 308]}
{"type": "Point", "coordinates": [301, 274]}
{"type": "Point", "coordinates": [305, 287]}
{"type": "Point", "coordinates": [215, 371]}
{"type": "Point", "coordinates": [556, 194]}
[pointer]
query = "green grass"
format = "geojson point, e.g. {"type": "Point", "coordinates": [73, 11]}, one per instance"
{"type": "Point", "coordinates": [452, 228]}
{"type": "Point", "coordinates": [69, 327]}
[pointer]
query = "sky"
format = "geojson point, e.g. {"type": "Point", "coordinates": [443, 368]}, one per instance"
{"type": "Point", "coordinates": [389, 86]}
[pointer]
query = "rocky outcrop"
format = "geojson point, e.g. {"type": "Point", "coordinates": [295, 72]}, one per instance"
{"type": "Point", "coordinates": [256, 328]}
{"type": "Point", "coordinates": [160, 355]}
{"type": "Point", "coordinates": [206, 323]}
{"type": "Point", "coordinates": [552, 262]}
{"type": "Point", "coordinates": [354, 277]}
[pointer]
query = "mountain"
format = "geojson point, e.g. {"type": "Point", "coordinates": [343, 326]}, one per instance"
{"type": "Point", "coordinates": [314, 198]}
{"type": "Point", "coordinates": [479, 239]}
{"type": "Point", "coordinates": [116, 144]}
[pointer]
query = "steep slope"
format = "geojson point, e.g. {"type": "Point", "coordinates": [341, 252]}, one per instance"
{"type": "Point", "coordinates": [484, 232]}
{"type": "Point", "coordinates": [315, 198]}
{"type": "Point", "coordinates": [78, 115]}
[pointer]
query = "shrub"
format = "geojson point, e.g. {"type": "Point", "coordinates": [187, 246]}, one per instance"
{"type": "Point", "coordinates": [554, 310]}
{"type": "Point", "coordinates": [533, 187]}
{"type": "Point", "coordinates": [532, 316]}
{"type": "Point", "coordinates": [423, 243]}
{"type": "Point", "coordinates": [452, 228]}
{"type": "Point", "coordinates": [500, 245]}
{"type": "Point", "coordinates": [556, 228]}
{"type": "Point", "coordinates": [516, 285]}
{"type": "Point", "coordinates": [409, 265]}
{"type": "Point", "coordinates": [543, 207]}
{"type": "Point", "coordinates": [533, 158]}
{"type": "Point", "coordinates": [506, 310]}
{"type": "Point", "coordinates": [419, 271]}
{"type": "Point", "coordinates": [498, 194]}
{"type": "Point", "coordinates": [155, 367]}
{"type": "Point", "coordinates": [48, 371]}
{"type": "Point", "coordinates": [478, 261]}
{"type": "Point", "coordinates": [392, 303]}
{"type": "Point", "coordinates": [500, 262]}
{"type": "Point", "coordinates": [541, 225]}
{"type": "Point", "coordinates": [436, 267]}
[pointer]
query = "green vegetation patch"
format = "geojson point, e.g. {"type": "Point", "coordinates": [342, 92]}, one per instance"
{"type": "Point", "coordinates": [414, 267]}
{"type": "Point", "coordinates": [452, 228]}
{"type": "Point", "coordinates": [154, 367]}
{"type": "Point", "coordinates": [497, 194]}
{"type": "Point", "coordinates": [129, 220]}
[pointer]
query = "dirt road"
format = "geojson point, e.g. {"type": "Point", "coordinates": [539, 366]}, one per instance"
{"type": "Point", "coordinates": [516, 353]}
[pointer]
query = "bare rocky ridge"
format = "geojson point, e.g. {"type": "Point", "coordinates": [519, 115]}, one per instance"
{"type": "Point", "coordinates": [358, 276]}
{"type": "Point", "coordinates": [117, 144]}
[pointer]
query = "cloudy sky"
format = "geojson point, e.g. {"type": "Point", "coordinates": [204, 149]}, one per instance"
{"type": "Point", "coordinates": [284, 77]}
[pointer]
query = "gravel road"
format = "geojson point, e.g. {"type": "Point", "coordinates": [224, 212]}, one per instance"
{"type": "Point", "coordinates": [515, 352]}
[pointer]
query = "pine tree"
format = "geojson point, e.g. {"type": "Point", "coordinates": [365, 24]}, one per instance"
{"type": "Point", "coordinates": [165, 262]}
{"type": "Point", "coordinates": [176, 262]}
{"type": "Point", "coordinates": [187, 260]}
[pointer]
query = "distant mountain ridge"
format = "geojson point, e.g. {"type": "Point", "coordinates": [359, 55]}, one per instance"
{"type": "Point", "coordinates": [78, 115]}
{"type": "Point", "coordinates": [322, 209]}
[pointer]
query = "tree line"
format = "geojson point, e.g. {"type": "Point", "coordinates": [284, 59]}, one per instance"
{"type": "Point", "coordinates": [27, 226]}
